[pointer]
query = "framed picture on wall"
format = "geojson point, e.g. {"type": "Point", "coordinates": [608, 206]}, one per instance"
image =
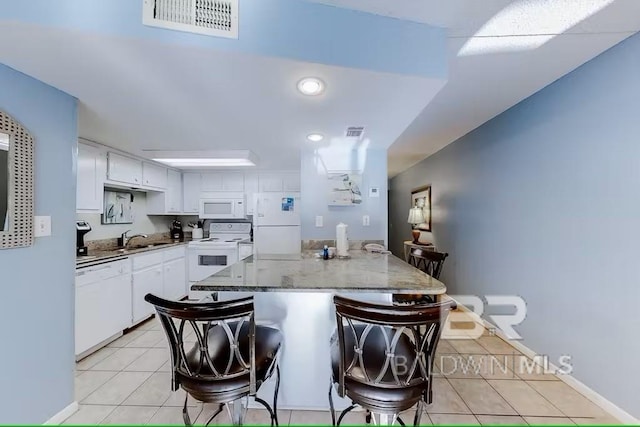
{"type": "Point", "coordinates": [421, 197]}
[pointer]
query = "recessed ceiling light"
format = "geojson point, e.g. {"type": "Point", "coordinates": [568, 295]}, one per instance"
{"type": "Point", "coordinates": [311, 86]}
{"type": "Point", "coordinates": [315, 137]}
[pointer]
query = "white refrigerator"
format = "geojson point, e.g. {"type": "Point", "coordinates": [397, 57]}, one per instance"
{"type": "Point", "coordinates": [276, 223]}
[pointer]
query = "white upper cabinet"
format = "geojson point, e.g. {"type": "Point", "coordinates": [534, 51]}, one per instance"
{"type": "Point", "coordinates": [154, 175]}
{"type": "Point", "coordinates": [191, 192]}
{"type": "Point", "coordinates": [291, 181]}
{"type": "Point", "coordinates": [124, 169]}
{"type": "Point", "coordinates": [222, 181]}
{"type": "Point", "coordinates": [279, 181]}
{"type": "Point", "coordinates": [233, 181]}
{"type": "Point", "coordinates": [90, 179]}
{"type": "Point", "coordinates": [168, 201]}
{"type": "Point", "coordinates": [270, 182]}
{"type": "Point", "coordinates": [211, 181]}
{"type": "Point", "coordinates": [250, 188]}
{"type": "Point", "coordinates": [174, 192]}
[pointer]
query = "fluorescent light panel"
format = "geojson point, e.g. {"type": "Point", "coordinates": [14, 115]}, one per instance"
{"type": "Point", "coordinates": [203, 158]}
{"type": "Point", "coordinates": [199, 162]}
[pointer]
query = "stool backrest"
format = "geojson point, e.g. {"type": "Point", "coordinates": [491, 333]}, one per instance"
{"type": "Point", "coordinates": [230, 316]}
{"type": "Point", "coordinates": [430, 262]}
{"type": "Point", "coordinates": [419, 324]}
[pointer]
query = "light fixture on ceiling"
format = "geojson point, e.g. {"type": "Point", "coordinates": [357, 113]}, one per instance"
{"type": "Point", "coordinates": [311, 86]}
{"type": "Point", "coordinates": [315, 137]}
{"type": "Point", "coordinates": [203, 159]}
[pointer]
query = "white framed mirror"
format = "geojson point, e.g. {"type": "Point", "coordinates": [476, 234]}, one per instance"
{"type": "Point", "coordinates": [4, 182]}
{"type": "Point", "coordinates": [16, 184]}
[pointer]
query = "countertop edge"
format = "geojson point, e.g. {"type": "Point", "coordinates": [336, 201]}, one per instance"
{"type": "Point", "coordinates": [118, 256]}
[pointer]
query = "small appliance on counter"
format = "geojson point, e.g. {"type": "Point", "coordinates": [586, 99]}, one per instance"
{"type": "Point", "coordinates": [176, 230]}
{"type": "Point", "coordinates": [82, 228]}
{"type": "Point", "coordinates": [197, 232]}
{"type": "Point", "coordinates": [342, 242]}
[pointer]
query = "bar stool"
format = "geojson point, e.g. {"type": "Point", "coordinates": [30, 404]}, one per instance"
{"type": "Point", "coordinates": [382, 356]}
{"type": "Point", "coordinates": [431, 262]}
{"type": "Point", "coordinates": [231, 358]}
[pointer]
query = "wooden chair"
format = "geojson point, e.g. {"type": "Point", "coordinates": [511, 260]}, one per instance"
{"type": "Point", "coordinates": [382, 356]}
{"type": "Point", "coordinates": [231, 358]}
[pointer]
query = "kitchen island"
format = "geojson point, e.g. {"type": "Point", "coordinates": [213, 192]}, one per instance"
{"type": "Point", "coordinates": [294, 294]}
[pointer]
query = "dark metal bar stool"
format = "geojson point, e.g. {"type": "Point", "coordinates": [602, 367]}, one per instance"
{"type": "Point", "coordinates": [382, 356]}
{"type": "Point", "coordinates": [231, 359]}
{"type": "Point", "coordinates": [431, 262]}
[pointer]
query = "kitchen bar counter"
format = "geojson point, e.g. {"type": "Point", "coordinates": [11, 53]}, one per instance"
{"type": "Point", "coordinates": [362, 272]}
{"type": "Point", "coordinates": [294, 293]}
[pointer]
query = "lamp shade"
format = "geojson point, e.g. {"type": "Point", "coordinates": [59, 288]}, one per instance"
{"type": "Point", "coordinates": [416, 216]}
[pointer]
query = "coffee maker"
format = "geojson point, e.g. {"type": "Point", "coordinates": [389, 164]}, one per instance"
{"type": "Point", "coordinates": [176, 230]}
{"type": "Point", "coordinates": [82, 228]}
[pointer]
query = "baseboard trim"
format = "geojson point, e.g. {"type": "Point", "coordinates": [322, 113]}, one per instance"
{"type": "Point", "coordinates": [62, 415]}
{"type": "Point", "coordinates": [604, 403]}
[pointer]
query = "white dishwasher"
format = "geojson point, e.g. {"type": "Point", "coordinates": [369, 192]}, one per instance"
{"type": "Point", "coordinates": [103, 303]}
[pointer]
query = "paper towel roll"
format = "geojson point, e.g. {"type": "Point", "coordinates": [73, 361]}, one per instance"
{"type": "Point", "coordinates": [342, 242]}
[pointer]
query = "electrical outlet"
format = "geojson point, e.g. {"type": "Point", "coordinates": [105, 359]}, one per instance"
{"type": "Point", "coordinates": [319, 221]}
{"type": "Point", "coordinates": [365, 220]}
{"type": "Point", "coordinates": [42, 226]}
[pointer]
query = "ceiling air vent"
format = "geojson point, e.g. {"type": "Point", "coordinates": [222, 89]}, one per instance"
{"type": "Point", "coordinates": [355, 132]}
{"type": "Point", "coordinates": [210, 17]}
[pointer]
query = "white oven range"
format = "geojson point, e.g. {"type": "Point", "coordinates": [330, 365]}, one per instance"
{"type": "Point", "coordinates": [208, 256]}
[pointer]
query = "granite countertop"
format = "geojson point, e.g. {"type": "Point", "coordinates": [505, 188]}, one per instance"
{"type": "Point", "coordinates": [98, 256]}
{"type": "Point", "coordinates": [362, 272]}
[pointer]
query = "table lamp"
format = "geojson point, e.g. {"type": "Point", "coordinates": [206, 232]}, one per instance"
{"type": "Point", "coordinates": [416, 216]}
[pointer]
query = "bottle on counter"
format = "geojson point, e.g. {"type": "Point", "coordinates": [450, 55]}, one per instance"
{"type": "Point", "coordinates": [325, 252]}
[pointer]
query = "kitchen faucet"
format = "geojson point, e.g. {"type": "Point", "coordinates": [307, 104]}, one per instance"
{"type": "Point", "coordinates": [124, 239]}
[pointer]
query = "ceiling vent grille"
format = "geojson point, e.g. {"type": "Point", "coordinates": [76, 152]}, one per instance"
{"type": "Point", "coordinates": [355, 132]}
{"type": "Point", "coordinates": [210, 17]}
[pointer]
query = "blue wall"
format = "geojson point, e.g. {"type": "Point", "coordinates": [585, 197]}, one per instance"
{"type": "Point", "coordinates": [544, 202]}
{"type": "Point", "coordinates": [37, 304]}
{"type": "Point", "coordinates": [313, 170]}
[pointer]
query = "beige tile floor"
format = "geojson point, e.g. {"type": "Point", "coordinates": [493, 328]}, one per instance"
{"type": "Point", "coordinates": [478, 381]}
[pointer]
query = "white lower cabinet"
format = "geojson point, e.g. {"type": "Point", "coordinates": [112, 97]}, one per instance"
{"type": "Point", "coordinates": [145, 281]}
{"type": "Point", "coordinates": [110, 296]}
{"type": "Point", "coordinates": [103, 303]}
{"type": "Point", "coordinates": [175, 274]}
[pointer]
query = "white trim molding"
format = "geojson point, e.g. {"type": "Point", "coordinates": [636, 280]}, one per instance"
{"type": "Point", "coordinates": [604, 403]}
{"type": "Point", "coordinates": [62, 415]}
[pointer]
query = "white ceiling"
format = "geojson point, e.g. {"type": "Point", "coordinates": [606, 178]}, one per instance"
{"type": "Point", "coordinates": [138, 94]}
{"type": "Point", "coordinates": [482, 86]}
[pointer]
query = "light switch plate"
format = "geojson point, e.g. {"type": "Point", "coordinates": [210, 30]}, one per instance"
{"type": "Point", "coordinates": [319, 221]}
{"type": "Point", "coordinates": [365, 220]}
{"type": "Point", "coordinates": [42, 226]}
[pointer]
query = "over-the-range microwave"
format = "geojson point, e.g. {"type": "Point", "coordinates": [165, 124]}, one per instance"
{"type": "Point", "coordinates": [222, 208]}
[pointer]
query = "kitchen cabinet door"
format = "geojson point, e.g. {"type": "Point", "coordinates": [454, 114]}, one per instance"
{"type": "Point", "coordinates": [233, 181]}
{"type": "Point", "coordinates": [212, 181]}
{"type": "Point", "coordinates": [124, 169]}
{"type": "Point", "coordinates": [191, 189]}
{"type": "Point", "coordinates": [103, 309]}
{"type": "Point", "coordinates": [144, 282]}
{"type": "Point", "coordinates": [174, 191]}
{"type": "Point", "coordinates": [251, 187]}
{"type": "Point", "coordinates": [175, 279]}
{"type": "Point", "coordinates": [270, 183]}
{"type": "Point", "coordinates": [291, 181]}
{"type": "Point", "coordinates": [154, 175]}
{"type": "Point", "coordinates": [90, 179]}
